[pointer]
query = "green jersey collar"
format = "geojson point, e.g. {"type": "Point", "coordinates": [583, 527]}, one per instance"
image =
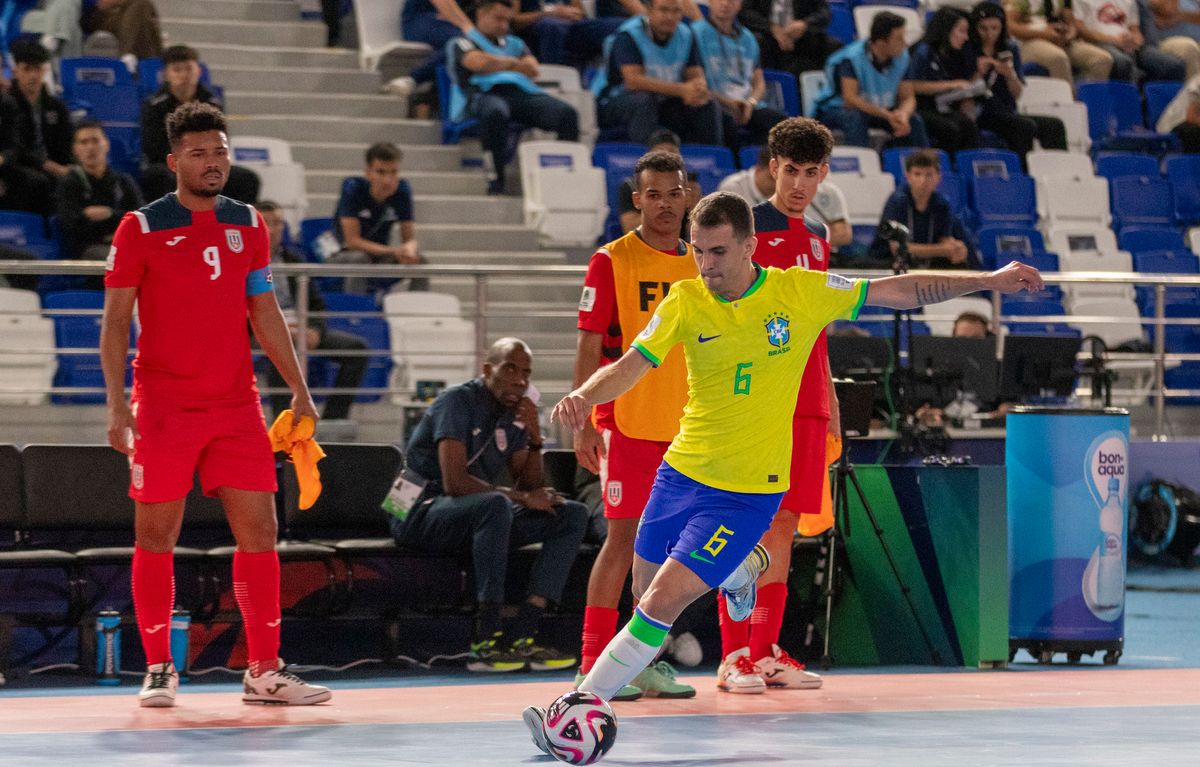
{"type": "Point", "coordinates": [758, 281]}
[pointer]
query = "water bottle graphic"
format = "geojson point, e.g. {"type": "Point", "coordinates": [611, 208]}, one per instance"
{"type": "Point", "coordinates": [1110, 569]}
{"type": "Point", "coordinates": [181, 623]}
{"type": "Point", "coordinates": [108, 647]}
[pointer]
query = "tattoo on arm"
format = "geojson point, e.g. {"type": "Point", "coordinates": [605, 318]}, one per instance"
{"type": "Point", "coordinates": [932, 292]}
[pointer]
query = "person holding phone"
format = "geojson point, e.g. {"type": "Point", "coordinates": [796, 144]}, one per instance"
{"type": "Point", "coordinates": [998, 61]}
{"type": "Point", "coordinates": [474, 436]}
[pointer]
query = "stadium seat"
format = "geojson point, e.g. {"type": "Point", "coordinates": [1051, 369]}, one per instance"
{"type": "Point", "coordinates": [1074, 200]}
{"type": "Point", "coordinates": [1005, 201]}
{"type": "Point", "coordinates": [1123, 323]}
{"type": "Point", "coordinates": [1115, 118]}
{"type": "Point", "coordinates": [317, 240]}
{"type": "Point", "coordinates": [952, 188]}
{"type": "Point", "coordinates": [24, 331]}
{"type": "Point", "coordinates": [998, 244]}
{"type": "Point", "coordinates": [616, 159]}
{"type": "Point", "coordinates": [1046, 90]}
{"type": "Point", "coordinates": [1166, 262]}
{"type": "Point", "coordinates": [940, 317]}
{"type": "Point", "coordinates": [865, 195]}
{"type": "Point", "coordinates": [564, 83]}
{"type": "Point", "coordinates": [370, 325]}
{"type": "Point", "coordinates": [125, 148]}
{"type": "Point", "coordinates": [1052, 97]}
{"type": "Point", "coordinates": [1142, 238]}
{"type": "Point", "coordinates": [782, 92]}
{"type": "Point", "coordinates": [1183, 171]}
{"type": "Point", "coordinates": [841, 25]}
{"type": "Point", "coordinates": [856, 160]}
{"type": "Point", "coordinates": [1053, 329]}
{"type": "Point", "coordinates": [1046, 163]}
{"type": "Point", "coordinates": [1159, 93]}
{"type": "Point", "coordinates": [914, 25]}
{"type": "Point", "coordinates": [564, 195]}
{"type": "Point", "coordinates": [811, 85]}
{"type": "Point", "coordinates": [254, 151]}
{"type": "Point", "coordinates": [378, 26]}
{"type": "Point", "coordinates": [987, 162]}
{"type": "Point", "coordinates": [893, 161]}
{"type": "Point", "coordinates": [711, 164]}
{"type": "Point", "coordinates": [1067, 239]}
{"type": "Point", "coordinates": [20, 228]}
{"type": "Point", "coordinates": [1096, 261]}
{"type": "Point", "coordinates": [92, 71]}
{"type": "Point", "coordinates": [430, 341]}
{"type": "Point", "coordinates": [1112, 165]}
{"type": "Point", "coordinates": [1141, 201]}
{"type": "Point", "coordinates": [79, 331]}
{"type": "Point", "coordinates": [748, 156]}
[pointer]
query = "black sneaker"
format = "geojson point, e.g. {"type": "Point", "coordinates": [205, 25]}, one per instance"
{"type": "Point", "coordinates": [541, 658]}
{"type": "Point", "coordinates": [486, 657]}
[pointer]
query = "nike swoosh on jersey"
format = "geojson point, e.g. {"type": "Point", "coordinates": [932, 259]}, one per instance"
{"type": "Point", "coordinates": [696, 555]}
{"type": "Point", "coordinates": [156, 629]}
{"type": "Point", "coordinates": [177, 240]}
{"type": "Point", "coordinates": [705, 339]}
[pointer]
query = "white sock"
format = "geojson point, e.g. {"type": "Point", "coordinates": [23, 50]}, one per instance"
{"type": "Point", "coordinates": [742, 575]}
{"type": "Point", "coordinates": [630, 651]}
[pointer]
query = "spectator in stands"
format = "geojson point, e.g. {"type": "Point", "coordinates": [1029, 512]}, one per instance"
{"type": "Point", "coordinates": [181, 84]}
{"type": "Point", "coordinates": [971, 325]}
{"type": "Point", "coordinates": [1048, 34]}
{"type": "Point", "coordinates": [999, 62]}
{"type": "Point", "coordinates": [730, 57]}
{"type": "Point", "coordinates": [756, 185]}
{"type": "Point", "coordinates": [867, 87]}
{"type": "Point", "coordinates": [494, 73]}
{"type": "Point", "coordinates": [366, 212]}
{"type": "Point", "coordinates": [561, 32]}
{"type": "Point", "coordinates": [791, 33]}
{"type": "Point", "coordinates": [1182, 116]}
{"type": "Point", "coordinates": [63, 34]}
{"type": "Point", "coordinates": [1174, 26]}
{"type": "Point", "coordinates": [435, 22]}
{"type": "Point", "coordinates": [1114, 26]}
{"type": "Point", "coordinates": [43, 124]}
{"type": "Point", "coordinates": [630, 217]}
{"type": "Point", "coordinates": [331, 14]}
{"type": "Point", "coordinates": [942, 71]}
{"type": "Point", "coordinates": [471, 438]}
{"type": "Point", "coordinates": [937, 237]}
{"type": "Point", "coordinates": [93, 198]}
{"type": "Point", "coordinates": [351, 367]}
{"type": "Point", "coordinates": [133, 22]}
{"type": "Point", "coordinates": [652, 77]}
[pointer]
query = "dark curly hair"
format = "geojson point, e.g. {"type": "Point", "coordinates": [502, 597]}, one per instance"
{"type": "Point", "coordinates": [800, 139]}
{"type": "Point", "coordinates": [193, 117]}
{"type": "Point", "coordinates": [659, 162]}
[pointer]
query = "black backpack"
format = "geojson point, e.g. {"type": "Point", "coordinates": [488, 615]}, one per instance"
{"type": "Point", "coordinates": [1164, 518]}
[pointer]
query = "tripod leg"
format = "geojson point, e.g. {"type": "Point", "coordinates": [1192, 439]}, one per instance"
{"type": "Point", "coordinates": [840, 509]}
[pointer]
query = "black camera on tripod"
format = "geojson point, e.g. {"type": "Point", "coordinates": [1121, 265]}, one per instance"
{"type": "Point", "coordinates": [894, 231]}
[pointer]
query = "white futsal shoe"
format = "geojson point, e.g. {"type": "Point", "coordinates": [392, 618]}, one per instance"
{"type": "Point", "coordinates": [783, 671]}
{"type": "Point", "coordinates": [739, 588]}
{"type": "Point", "coordinates": [282, 687]}
{"type": "Point", "coordinates": [159, 686]}
{"type": "Point", "coordinates": [737, 673]}
{"type": "Point", "coordinates": [535, 719]}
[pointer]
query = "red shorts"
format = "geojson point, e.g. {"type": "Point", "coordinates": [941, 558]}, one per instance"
{"type": "Point", "coordinates": [627, 473]}
{"type": "Point", "coordinates": [227, 444]}
{"type": "Point", "coordinates": [808, 466]}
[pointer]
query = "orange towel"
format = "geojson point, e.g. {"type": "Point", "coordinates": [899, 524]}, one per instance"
{"type": "Point", "coordinates": [815, 524]}
{"type": "Point", "coordinates": [296, 439]}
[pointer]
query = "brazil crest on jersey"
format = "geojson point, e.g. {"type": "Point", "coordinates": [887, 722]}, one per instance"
{"type": "Point", "coordinates": [744, 360]}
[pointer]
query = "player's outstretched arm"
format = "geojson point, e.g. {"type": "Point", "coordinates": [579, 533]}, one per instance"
{"type": "Point", "coordinates": [908, 291]}
{"type": "Point", "coordinates": [273, 336]}
{"type": "Point", "coordinates": [605, 385]}
{"type": "Point", "coordinates": [114, 348]}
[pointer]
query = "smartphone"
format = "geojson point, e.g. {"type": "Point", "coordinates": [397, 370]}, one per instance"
{"type": "Point", "coordinates": [1004, 56]}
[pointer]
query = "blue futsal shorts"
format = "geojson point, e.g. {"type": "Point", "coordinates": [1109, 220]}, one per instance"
{"type": "Point", "coordinates": [709, 531]}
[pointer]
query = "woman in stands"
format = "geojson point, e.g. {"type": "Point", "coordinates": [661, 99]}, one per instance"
{"type": "Point", "coordinates": [941, 71]}
{"type": "Point", "coordinates": [999, 62]}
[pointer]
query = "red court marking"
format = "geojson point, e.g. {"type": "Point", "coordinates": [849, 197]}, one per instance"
{"type": "Point", "coordinates": [1079, 688]}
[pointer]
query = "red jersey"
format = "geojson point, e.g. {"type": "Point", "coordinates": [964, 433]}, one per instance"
{"type": "Point", "coordinates": [194, 273]}
{"type": "Point", "coordinates": [785, 242]}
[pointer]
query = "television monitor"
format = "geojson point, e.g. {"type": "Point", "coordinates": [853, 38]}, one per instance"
{"type": "Point", "coordinates": [862, 358]}
{"type": "Point", "coordinates": [1038, 367]}
{"type": "Point", "coordinates": [941, 366]}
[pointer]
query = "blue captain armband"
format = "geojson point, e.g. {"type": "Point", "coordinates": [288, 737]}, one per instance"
{"type": "Point", "coordinates": [258, 281]}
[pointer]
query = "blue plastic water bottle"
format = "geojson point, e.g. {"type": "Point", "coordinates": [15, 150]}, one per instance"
{"type": "Point", "coordinates": [181, 623]}
{"type": "Point", "coordinates": [108, 647]}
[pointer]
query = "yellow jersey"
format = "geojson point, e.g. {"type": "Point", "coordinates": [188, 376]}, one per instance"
{"type": "Point", "coordinates": [745, 359]}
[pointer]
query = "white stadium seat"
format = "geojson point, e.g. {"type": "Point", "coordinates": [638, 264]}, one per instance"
{"type": "Point", "coordinates": [1052, 97]}
{"type": "Point", "coordinates": [1045, 163]}
{"type": "Point", "coordinates": [432, 346]}
{"type": "Point", "coordinates": [23, 333]}
{"type": "Point", "coordinates": [1075, 200]}
{"type": "Point", "coordinates": [253, 151]}
{"type": "Point", "coordinates": [811, 85]}
{"type": "Point", "coordinates": [378, 25]}
{"type": "Point", "coordinates": [940, 317]}
{"type": "Point", "coordinates": [563, 82]}
{"type": "Point", "coordinates": [857, 160]}
{"type": "Point", "coordinates": [564, 195]}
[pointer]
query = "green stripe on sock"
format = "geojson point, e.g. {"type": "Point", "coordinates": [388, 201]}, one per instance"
{"type": "Point", "coordinates": [647, 632]}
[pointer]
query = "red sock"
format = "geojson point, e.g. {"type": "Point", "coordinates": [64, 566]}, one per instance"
{"type": "Point", "coordinates": [256, 587]}
{"type": "Point", "coordinates": [734, 634]}
{"type": "Point", "coordinates": [767, 619]}
{"type": "Point", "coordinates": [153, 601]}
{"type": "Point", "coordinates": [599, 627]}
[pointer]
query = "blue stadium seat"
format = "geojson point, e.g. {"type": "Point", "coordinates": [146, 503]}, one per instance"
{"type": "Point", "coordinates": [783, 93]}
{"type": "Point", "coordinates": [452, 130]}
{"type": "Point", "coordinates": [987, 162]}
{"type": "Point", "coordinates": [881, 328]}
{"type": "Point", "coordinates": [617, 160]}
{"type": "Point", "coordinates": [1141, 201]}
{"type": "Point", "coordinates": [1024, 305]}
{"type": "Point", "coordinates": [1178, 301]}
{"type": "Point", "coordinates": [1058, 329]}
{"type": "Point", "coordinates": [951, 187]}
{"type": "Point", "coordinates": [1141, 238]}
{"type": "Point", "coordinates": [92, 71]}
{"type": "Point", "coordinates": [748, 156]}
{"type": "Point", "coordinates": [125, 148]}
{"type": "Point", "coordinates": [1000, 244]}
{"type": "Point", "coordinates": [28, 231]}
{"type": "Point", "coordinates": [709, 163]}
{"type": "Point", "coordinates": [79, 332]}
{"type": "Point", "coordinates": [372, 327]}
{"type": "Point", "coordinates": [1183, 171]}
{"type": "Point", "coordinates": [1183, 340]}
{"type": "Point", "coordinates": [1115, 164]}
{"type": "Point", "coordinates": [841, 24]}
{"type": "Point", "coordinates": [893, 161]}
{"type": "Point", "coordinates": [1007, 201]}
{"type": "Point", "coordinates": [1166, 262]}
{"type": "Point", "coordinates": [1158, 94]}
{"type": "Point", "coordinates": [310, 230]}
{"type": "Point", "coordinates": [1115, 119]}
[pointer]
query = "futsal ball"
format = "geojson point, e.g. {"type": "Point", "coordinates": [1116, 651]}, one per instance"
{"type": "Point", "coordinates": [580, 728]}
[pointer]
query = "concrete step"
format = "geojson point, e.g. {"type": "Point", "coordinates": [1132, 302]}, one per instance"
{"type": "Point", "coordinates": [348, 158]}
{"type": "Point", "coordinates": [314, 80]}
{"type": "Point", "coordinates": [364, 131]}
{"type": "Point", "coordinates": [196, 31]}
{"type": "Point", "coordinates": [348, 105]}
{"type": "Point", "coordinates": [478, 209]}
{"type": "Point", "coordinates": [479, 237]}
{"type": "Point", "coordinates": [482, 258]}
{"type": "Point", "coordinates": [329, 182]}
{"type": "Point", "coordinates": [222, 55]}
{"type": "Point", "coordinates": [556, 295]}
{"type": "Point", "coordinates": [240, 10]}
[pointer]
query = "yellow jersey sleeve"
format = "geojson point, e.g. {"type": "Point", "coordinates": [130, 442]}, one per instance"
{"type": "Point", "coordinates": [824, 296]}
{"type": "Point", "coordinates": [663, 331]}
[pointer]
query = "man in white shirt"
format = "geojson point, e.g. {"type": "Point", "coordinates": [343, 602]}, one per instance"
{"type": "Point", "coordinates": [1182, 116]}
{"type": "Point", "coordinates": [1113, 25]}
{"type": "Point", "coordinates": [755, 186]}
